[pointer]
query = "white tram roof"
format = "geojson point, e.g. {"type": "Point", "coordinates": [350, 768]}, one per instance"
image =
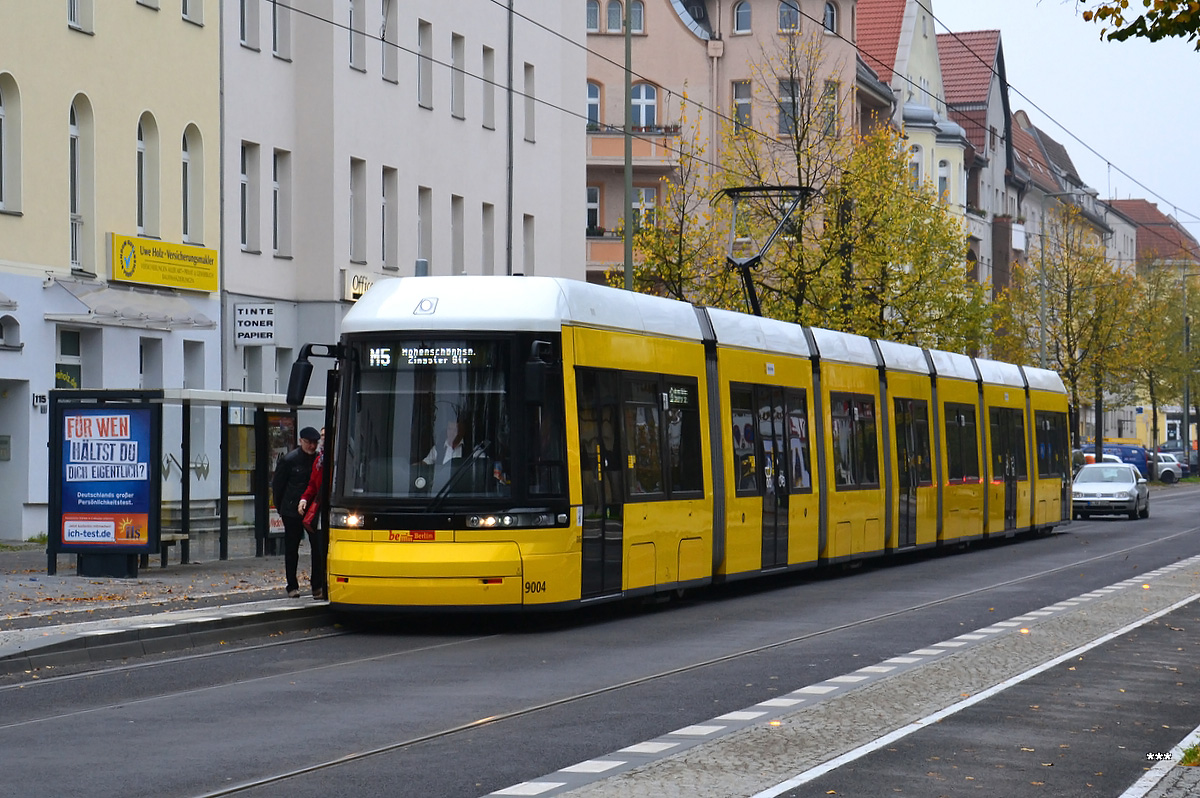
{"type": "Point", "coordinates": [844, 347]}
{"type": "Point", "coordinates": [952, 364]}
{"type": "Point", "coordinates": [486, 303]}
{"type": "Point", "coordinates": [755, 332]}
{"type": "Point", "coordinates": [903, 357]}
{"type": "Point", "coordinates": [1044, 379]}
{"type": "Point", "coordinates": [994, 372]}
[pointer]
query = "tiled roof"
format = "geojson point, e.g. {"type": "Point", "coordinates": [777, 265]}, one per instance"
{"type": "Point", "coordinates": [1058, 156]}
{"type": "Point", "coordinates": [968, 60]}
{"type": "Point", "coordinates": [1159, 235]}
{"type": "Point", "coordinates": [1029, 153]}
{"type": "Point", "coordinates": [879, 34]}
{"type": "Point", "coordinates": [974, 122]}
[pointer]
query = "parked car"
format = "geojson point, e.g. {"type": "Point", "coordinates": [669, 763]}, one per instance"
{"type": "Point", "coordinates": [1132, 453]}
{"type": "Point", "coordinates": [1175, 447]}
{"type": "Point", "coordinates": [1169, 469]}
{"type": "Point", "coordinates": [1110, 489]}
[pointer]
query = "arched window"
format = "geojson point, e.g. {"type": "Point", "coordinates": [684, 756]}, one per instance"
{"type": "Point", "coordinates": [10, 143]}
{"type": "Point", "coordinates": [645, 101]}
{"type": "Point", "coordinates": [73, 191]}
{"type": "Point", "coordinates": [593, 16]}
{"type": "Point", "coordinates": [141, 180]}
{"type": "Point", "coordinates": [3, 148]}
{"type": "Point", "coordinates": [637, 16]}
{"type": "Point", "coordinates": [831, 18]}
{"type": "Point", "coordinates": [914, 165]}
{"type": "Point", "coordinates": [789, 15]}
{"type": "Point", "coordinates": [944, 179]}
{"type": "Point", "coordinates": [614, 22]}
{"type": "Point", "coordinates": [186, 175]}
{"type": "Point", "coordinates": [593, 103]}
{"type": "Point", "coordinates": [741, 17]}
{"type": "Point", "coordinates": [192, 189]}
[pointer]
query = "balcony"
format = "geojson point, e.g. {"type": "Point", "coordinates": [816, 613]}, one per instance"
{"type": "Point", "coordinates": [653, 147]}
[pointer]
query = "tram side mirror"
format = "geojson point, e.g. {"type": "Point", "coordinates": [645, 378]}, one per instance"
{"type": "Point", "coordinates": [298, 382]}
{"type": "Point", "coordinates": [536, 369]}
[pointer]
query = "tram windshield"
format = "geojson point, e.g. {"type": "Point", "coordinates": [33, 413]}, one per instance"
{"type": "Point", "coordinates": [426, 420]}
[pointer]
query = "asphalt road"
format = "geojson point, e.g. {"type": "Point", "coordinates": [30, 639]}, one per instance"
{"type": "Point", "coordinates": [464, 707]}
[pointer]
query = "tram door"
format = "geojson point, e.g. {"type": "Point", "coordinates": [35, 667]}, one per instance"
{"type": "Point", "coordinates": [602, 481]}
{"type": "Point", "coordinates": [1008, 457]}
{"type": "Point", "coordinates": [912, 464]}
{"type": "Point", "coordinates": [772, 437]}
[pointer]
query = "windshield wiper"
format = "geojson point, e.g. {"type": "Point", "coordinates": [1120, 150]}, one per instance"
{"type": "Point", "coordinates": [455, 476]}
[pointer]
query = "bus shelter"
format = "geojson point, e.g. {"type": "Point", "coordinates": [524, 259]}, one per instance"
{"type": "Point", "coordinates": [134, 473]}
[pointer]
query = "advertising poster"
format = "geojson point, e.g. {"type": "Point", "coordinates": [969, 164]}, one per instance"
{"type": "Point", "coordinates": [107, 477]}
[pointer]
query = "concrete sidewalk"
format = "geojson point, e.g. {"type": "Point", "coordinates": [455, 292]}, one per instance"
{"type": "Point", "coordinates": [69, 619]}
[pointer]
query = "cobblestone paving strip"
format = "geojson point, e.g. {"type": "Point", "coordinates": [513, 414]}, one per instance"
{"type": "Point", "coordinates": [790, 740]}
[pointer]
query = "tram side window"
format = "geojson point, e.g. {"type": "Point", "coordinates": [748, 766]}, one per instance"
{"type": "Point", "coordinates": [741, 405]}
{"type": "Point", "coordinates": [1008, 443]}
{"type": "Point", "coordinates": [683, 437]}
{"type": "Point", "coordinates": [643, 472]}
{"type": "Point", "coordinates": [962, 443]}
{"type": "Point", "coordinates": [855, 447]}
{"type": "Point", "coordinates": [1053, 454]}
{"type": "Point", "coordinates": [797, 434]}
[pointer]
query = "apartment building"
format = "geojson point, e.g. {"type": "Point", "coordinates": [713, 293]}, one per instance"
{"type": "Point", "coordinates": [109, 214]}
{"type": "Point", "coordinates": [724, 57]}
{"type": "Point", "coordinates": [366, 140]}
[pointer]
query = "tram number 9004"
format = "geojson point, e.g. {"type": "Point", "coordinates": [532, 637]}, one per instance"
{"type": "Point", "coordinates": [535, 587]}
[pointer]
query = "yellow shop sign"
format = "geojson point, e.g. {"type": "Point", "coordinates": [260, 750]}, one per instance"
{"type": "Point", "coordinates": [147, 261]}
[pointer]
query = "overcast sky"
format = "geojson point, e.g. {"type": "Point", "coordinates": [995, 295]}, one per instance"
{"type": "Point", "coordinates": [1127, 112]}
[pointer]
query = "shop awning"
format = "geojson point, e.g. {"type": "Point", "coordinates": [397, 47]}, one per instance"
{"type": "Point", "coordinates": [131, 307]}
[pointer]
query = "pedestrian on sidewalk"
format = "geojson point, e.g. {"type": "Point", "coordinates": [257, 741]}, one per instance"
{"type": "Point", "coordinates": [291, 478]}
{"type": "Point", "coordinates": [310, 509]}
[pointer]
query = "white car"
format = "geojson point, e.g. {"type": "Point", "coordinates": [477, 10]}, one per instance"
{"type": "Point", "coordinates": [1169, 469]}
{"type": "Point", "coordinates": [1110, 489]}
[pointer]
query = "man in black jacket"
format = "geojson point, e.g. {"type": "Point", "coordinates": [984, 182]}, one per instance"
{"type": "Point", "coordinates": [291, 478]}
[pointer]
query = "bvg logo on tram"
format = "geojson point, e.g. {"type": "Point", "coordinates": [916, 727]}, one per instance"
{"type": "Point", "coordinates": [412, 536]}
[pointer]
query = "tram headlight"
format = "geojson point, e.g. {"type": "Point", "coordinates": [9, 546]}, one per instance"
{"type": "Point", "coordinates": [347, 519]}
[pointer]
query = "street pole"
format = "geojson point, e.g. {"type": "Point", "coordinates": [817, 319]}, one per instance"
{"type": "Point", "coordinates": [628, 151]}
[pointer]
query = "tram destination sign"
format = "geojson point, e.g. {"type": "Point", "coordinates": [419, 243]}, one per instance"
{"type": "Point", "coordinates": [408, 355]}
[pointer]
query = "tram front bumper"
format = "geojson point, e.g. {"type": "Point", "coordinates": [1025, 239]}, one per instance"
{"type": "Point", "coordinates": [425, 574]}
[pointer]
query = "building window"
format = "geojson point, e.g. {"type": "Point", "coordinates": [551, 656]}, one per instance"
{"type": "Point", "coordinates": [78, 181]}
{"type": "Point", "coordinates": [3, 146]}
{"type": "Point", "coordinates": [358, 210]}
{"type": "Point", "coordinates": [248, 197]}
{"type": "Point", "coordinates": [458, 80]}
{"type": "Point", "coordinates": [358, 39]}
{"type": "Point", "coordinates": [944, 180]}
{"type": "Point", "coordinates": [141, 181]}
{"type": "Point", "coordinates": [488, 85]}
{"type": "Point", "coordinates": [192, 186]}
{"type": "Point", "coordinates": [742, 105]}
{"type": "Point", "coordinates": [614, 23]}
{"type": "Point", "coordinates": [530, 104]}
{"type": "Point", "coordinates": [914, 165]}
{"type": "Point", "coordinates": [637, 16]}
{"type": "Point", "coordinates": [829, 109]}
{"type": "Point", "coordinates": [644, 200]}
{"type": "Point", "coordinates": [593, 104]}
{"type": "Point", "coordinates": [741, 17]}
{"type": "Point", "coordinates": [424, 64]}
{"type": "Point", "coordinates": [248, 23]}
{"type": "Point", "coordinates": [457, 235]}
{"type": "Point", "coordinates": [192, 11]}
{"type": "Point", "coordinates": [387, 40]}
{"type": "Point", "coordinates": [830, 18]}
{"type": "Point", "coordinates": [80, 15]}
{"type": "Point", "coordinates": [528, 249]}
{"type": "Point", "coordinates": [645, 102]}
{"type": "Point", "coordinates": [279, 202]}
{"type": "Point", "coordinates": [389, 242]}
{"type": "Point", "coordinates": [789, 104]}
{"type": "Point", "coordinates": [425, 226]}
{"type": "Point", "coordinates": [789, 16]}
{"type": "Point", "coordinates": [593, 16]}
{"type": "Point", "coordinates": [281, 30]}
{"type": "Point", "coordinates": [68, 367]}
{"type": "Point", "coordinates": [488, 242]}
{"type": "Point", "coordinates": [593, 210]}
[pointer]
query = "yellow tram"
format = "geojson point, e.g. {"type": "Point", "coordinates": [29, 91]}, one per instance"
{"type": "Point", "coordinates": [538, 442]}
